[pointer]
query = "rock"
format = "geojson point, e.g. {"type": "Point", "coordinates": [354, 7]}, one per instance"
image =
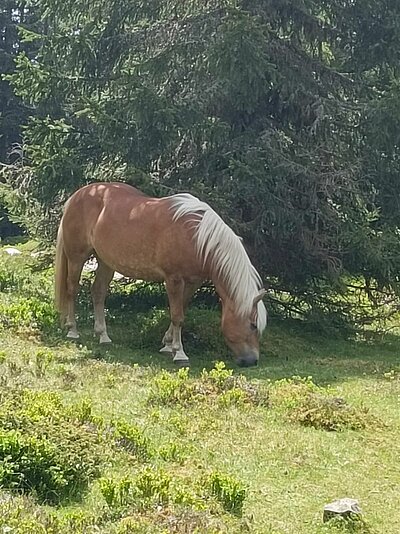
{"type": "Point", "coordinates": [118, 277]}
{"type": "Point", "coordinates": [12, 251]}
{"type": "Point", "coordinates": [90, 266]}
{"type": "Point", "coordinates": [343, 507]}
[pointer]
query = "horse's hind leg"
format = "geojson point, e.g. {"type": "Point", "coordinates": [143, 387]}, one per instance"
{"type": "Point", "coordinates": [74, 270]}
{"type": "Point", "coordinates": [99, 290]}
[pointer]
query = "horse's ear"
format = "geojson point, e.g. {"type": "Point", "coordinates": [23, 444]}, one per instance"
{"type": "Point", "coordinates": [259, 297]}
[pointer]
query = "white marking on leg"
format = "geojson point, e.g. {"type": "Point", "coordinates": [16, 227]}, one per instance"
{"type": "Point", "coordinates": [99, 289]}
{"type": "Point", "coordinates": [167, 340]}
{"type": "Point", "coordinates": [180, 356]}
{"type": "Point", "coordinates": [104, 338]}
{"type": "Point", "coordinates": [73, 334]}
{"type": "Point", "coordinates": [166, 349]}
{"type": "Point", "coordinates": [177, 347]}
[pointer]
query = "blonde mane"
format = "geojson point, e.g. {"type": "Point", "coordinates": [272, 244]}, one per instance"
{"type": "Point", "coordinates": [216, 241]}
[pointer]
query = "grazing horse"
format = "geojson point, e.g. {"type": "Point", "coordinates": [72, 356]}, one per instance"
{"type": "Point", "coordinates": [177, 239]}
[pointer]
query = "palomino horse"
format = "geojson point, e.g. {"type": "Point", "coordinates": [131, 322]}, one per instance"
{"type": "Point", "coordinates": [179, 240]}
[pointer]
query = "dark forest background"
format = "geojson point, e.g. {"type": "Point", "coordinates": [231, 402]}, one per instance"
{"type": "Point", "coordinates": [283, 115]}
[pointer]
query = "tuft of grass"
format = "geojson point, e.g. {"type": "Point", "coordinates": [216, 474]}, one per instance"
{"type": "Point", "coordinates": [153, 485]}
{"type": "Point", "coordinates": [310, 405]}
{"type": "Point", "coordinates": [217, 384]}
{"type": "Point", "coordinates": [117, 493]}
{"type": "Point", "coordinates": [329, 413]}
{"type": "Point", "coordinates": [172, 452]}
{"type": "Point", "coordinates": [354, 524]}
{"type": "Point", "coordinates": [150, 487]}
{"type": "Point", "coordinates": [230, 492]}
{"type": "Point", "coordinates": [43, 359]}
{"type": "Point", "coordinates": [132, 439]}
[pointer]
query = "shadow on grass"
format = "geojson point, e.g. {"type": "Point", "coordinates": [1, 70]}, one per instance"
{"type": "Point", "coordinates": [286, 350]}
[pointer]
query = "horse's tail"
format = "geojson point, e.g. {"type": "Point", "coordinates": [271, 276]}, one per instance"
{"type": "Point", "coordinates": [61, 273]}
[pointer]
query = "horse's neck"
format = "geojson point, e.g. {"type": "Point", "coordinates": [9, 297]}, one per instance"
{"type": "Point", "coordinates": [221, 288]}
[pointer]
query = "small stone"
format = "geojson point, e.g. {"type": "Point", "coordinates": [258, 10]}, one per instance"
{"type": "Point", "coordinates": [343, 507]}
{"type": "Point", "coordinates": [91, 265]}
{"type": "Point", "coordinates": [12, 251]}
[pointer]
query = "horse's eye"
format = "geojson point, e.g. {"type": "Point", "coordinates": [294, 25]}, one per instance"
{"type": "Point", "coordinates": [253, 326]}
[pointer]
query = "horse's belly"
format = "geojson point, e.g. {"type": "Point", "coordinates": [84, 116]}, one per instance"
{"type": "Point", "coordinates": [140, 273]}
{"type": "Point", "coordinates": [135, 265]}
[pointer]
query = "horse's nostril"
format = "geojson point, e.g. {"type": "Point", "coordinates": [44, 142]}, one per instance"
{"type": "Point", "coordinates": [247, 361]}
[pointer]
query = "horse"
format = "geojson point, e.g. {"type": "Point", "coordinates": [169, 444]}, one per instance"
{"type": "Point", "coordinates": [178, 240]}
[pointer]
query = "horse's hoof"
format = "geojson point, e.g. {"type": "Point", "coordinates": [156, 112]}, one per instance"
{"type": "Point", "coordinates": [72, 336]}
{"type": "Point", "coordinates": [166, 349]}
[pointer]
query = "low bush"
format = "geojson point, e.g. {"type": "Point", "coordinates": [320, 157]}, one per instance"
{"type": "Point", "coordinates": [132, 439]}
{"type": "Point", "coordinates": [151, 486]}
{"type": "Point", "coordinates": [28, 312]}
{"type": "Point", "coordinates": [304, 402]}
{"type": "Point", "coordinates": [218, 384]}
{"type": "Point", "coordinates": [229, 492]}
{"type": "Point", "coordinates": [44, 449]}
{"type": "Point", "coordinates": [21, 515]}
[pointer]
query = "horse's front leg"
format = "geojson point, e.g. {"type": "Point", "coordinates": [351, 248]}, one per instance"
{"type": "Point", "coordinates": [167, 340]}
{"type": "Point", "coordinates": [176, 290]}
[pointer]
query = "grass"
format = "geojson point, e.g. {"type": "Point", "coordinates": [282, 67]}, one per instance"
{"type": "Point", "coordinates": [222, 450]}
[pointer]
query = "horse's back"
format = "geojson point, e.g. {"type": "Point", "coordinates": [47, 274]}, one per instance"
{"type": "Point", "coordinates": [132, 233]}
{"type": "Point", "coordinates": [94, 197]}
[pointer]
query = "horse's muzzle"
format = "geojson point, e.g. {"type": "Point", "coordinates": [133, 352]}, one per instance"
{"type": "Point", "coordinates": [249, 359]}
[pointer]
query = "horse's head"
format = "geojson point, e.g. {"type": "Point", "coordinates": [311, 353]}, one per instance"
{"type": "Point", "coordinates": [242, 333]}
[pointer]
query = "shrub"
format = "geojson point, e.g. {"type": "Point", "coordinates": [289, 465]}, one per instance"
{"type": "Point", "coordinates": [171, 388]}
{"type": "Point", "coordinates": [30, 463]}
{"type": "Point", "coordinates": [21, 515]}
{"type": "Point", "coordinates": [58, 465]}
{"type": "Point", "coordinates": [329, 413]}
{"type": "Point", "coordinates": [217, 376]}
{"type": "Point", "coordinates": [13, 274]}
{"type": "Point", "coordinates": [151, 486]}
{"type": "Point", "coordinates": [28, 312]}
{"type": "Point", "coordinates": [229, 492]}
{"type": "Point", "coordinates": [310, 405]}
{"type": "Point", "coordinates": [219, 383]}
{"type": "Point", "coordinates": [45, 450]}
{"type": "Point", "coordinates": [131, 438]}
{"type": "Point", "coordinates": [43, 359]}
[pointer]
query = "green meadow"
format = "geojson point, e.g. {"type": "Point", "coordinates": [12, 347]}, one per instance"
{"type": "Point", "coordinates": [117, 440]}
